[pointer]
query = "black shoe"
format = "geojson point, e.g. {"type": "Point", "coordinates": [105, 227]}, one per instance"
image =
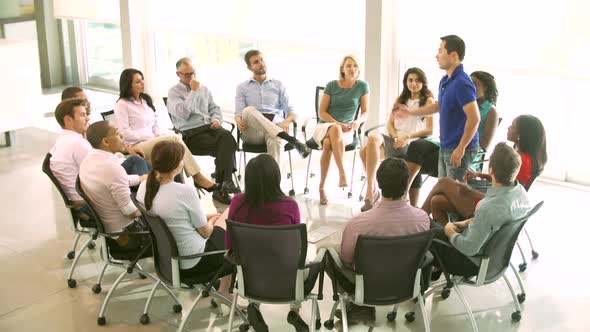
{"type": "Point", "coordinates": [221, 197]}
{"type": "Point", "coordinates": [303, 150]}
{"type": "Point", "coordinates": [255, 318]}
{"type": "Point", "coordinates": [214, 187]}
{"type": "Point", "coordinates": [357, 314]}
{"type": "Point", "coordinates": [229, 187]}
{"type": "Point", "coordinates": [294, 319]}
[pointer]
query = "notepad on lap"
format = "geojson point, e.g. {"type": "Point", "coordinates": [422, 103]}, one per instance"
{"type": "Point", "coordinates": [320, 233]}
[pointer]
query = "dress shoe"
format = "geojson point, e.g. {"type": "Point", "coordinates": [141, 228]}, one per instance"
{"type": "Point", "coordinates": [255, 318]}
{"type": "Point", "coordinates": [229, 187]}
{"type": "Point", "coordinates": [294, 319]}
{"type": "Point", "coordinates": [214, 187]}
{"type": "Point", "coordinates": [303, 150]}
{"type": "Point", "coordinates": [356, 314]}
{"type": "Point", "coordinates": [221, 197]}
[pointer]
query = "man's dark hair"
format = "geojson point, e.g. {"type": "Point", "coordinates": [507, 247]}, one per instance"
{"type": "Point", "coordinates": [70, 92]}
{"type": "Point", "coordinates": [66, 108]}
{"type": "Point", "coordinates": [454, 44]}
{"type": "Point", "coordinates": [250, 54]}
{"type": "Point", "coordinates": [96, 132]}
{"type": "Point", "coordinates": [505, 162]}
{"type": "Point", "coordinates": [393, 176]}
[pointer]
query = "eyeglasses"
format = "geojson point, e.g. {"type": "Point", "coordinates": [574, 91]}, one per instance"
{"type": "Point", "coordinates": [187, 75]}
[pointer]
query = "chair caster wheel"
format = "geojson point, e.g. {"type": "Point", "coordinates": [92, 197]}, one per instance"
{"type": "Point", "coordinates": [91, 245]}
{"type": "Point", "coordinates": [177, 308]}
{"type": "Point", "coordinates": [71, 254]}
{"type": "Point", "coordinates": [239, 177]}
{"type": "Point", "coordinates": [410, 316]}
{"type": "Point", "coordinates": [144, 319]}
{"type": "Point", "coordinates": [445, 293]}
{"type": "Point", "coordinates": [329, 324]}
{"type": "Point", "coordinates": [96, 289]}
{"type": "Point", "coordinates": [306, 191]}
{"type": "Point", "coordinates": [349, 195]}
{"type": "Point", "coordinates": [522, 267]}
{"type": "Point", "coordinates": [516, 316]}
{"type": "Point", "coordinates": [391, 316]}
{"type": "Point", "coordinates": [521, 297]}
{"type": "Point", "coordinates": [214, 303]}
{"type": "Point", "coordinates": [141, 276]}
{"type": "Point", "coordinates": [72, 283]}
{"type": "Point", "coordinates": [311, 174]}
{"type": "Point", "coordinates": [363, 178]}
{"type": "Point", "coordinates": [244, 327]}
{"type": "Point", "coordinates": [101, 320]}
{"type": "Point", "coordinates": [535, 254]}
{"type": "Point", "coordinates": [288, 175]}
{"type": "Point", "coordinates": [318, 324]}
{"type": "Point", "coordinates": [291, 192]}
{"type": "Point", "coordinates": [361, 198]}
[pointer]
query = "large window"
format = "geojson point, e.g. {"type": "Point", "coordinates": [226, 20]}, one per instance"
{"type": "Point", "coordinates": [104, 54]}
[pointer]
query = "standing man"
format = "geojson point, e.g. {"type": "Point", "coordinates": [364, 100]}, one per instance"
{"type": "Point", "coordinates": [194, 112]}
{"type": "Point", "coordinates": [263, 111]}
{"type": "Point", "coordinates": [459, 113]}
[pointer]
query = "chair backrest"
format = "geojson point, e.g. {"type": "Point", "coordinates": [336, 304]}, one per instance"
{"type": "Point", "coordinates": [93, 214]}
{"type": "Point", "coordinates": [47, 170]}
{"type": "Point", "coordinates": [165, 101]}
{"type": "Point", "coordinates": [109, 116]}
{"type": "Point", "coordinates": [269, 257]}
{"type": "Point", "coordinates": [499, 247]}
{"type": "Point", "coordinates": [389, 265]}
{"type": "Point", "coordinates": [163, 245]}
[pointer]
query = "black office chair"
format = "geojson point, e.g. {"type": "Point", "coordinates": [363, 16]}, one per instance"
{"type": "Point", "coordinates": [115, 255]}
{"type": "Point", "coordinates": [109, 116]}
{"type": "Point", "coordinates": [387, 271]}
{"type": "Point", "coordinates": [354, 146]}
{"type": "Point", "coordinates": [492, 265]}
{"type": "Point", "coordinates": [166, 262]}
{"type": "Point", "coordinates": [272, 271]}
{"type": "Point", "coordinates": [79, 225]}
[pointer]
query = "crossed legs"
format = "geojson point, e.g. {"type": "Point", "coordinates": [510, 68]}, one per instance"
{"type": "Point", "coordinates": [449, 195]}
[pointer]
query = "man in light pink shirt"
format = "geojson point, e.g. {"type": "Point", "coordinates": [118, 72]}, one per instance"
{"type": "Point", "coordinates": [107, 184]}
{"type": "Point", "coordinates": [392, 216]}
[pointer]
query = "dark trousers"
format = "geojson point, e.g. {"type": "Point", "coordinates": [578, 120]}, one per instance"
{"type": "Point", "coordinates": [451, 259]}
{"type": "Point", "coordinates": [218, 143]}
{"type": "Point", "coordinates": [135, 165]}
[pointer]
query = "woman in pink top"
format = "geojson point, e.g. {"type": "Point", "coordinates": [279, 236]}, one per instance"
{"type": "Point", "coordinates": [136, 120]}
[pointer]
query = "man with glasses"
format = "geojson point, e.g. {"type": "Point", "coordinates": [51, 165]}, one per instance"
{"type": "Point", "coordinates": [193, 112]}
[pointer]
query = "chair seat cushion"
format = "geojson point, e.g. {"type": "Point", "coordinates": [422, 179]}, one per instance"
{"type": "Point", "coordinates": [254, 148]}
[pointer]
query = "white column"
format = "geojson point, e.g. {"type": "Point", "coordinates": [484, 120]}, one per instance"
{"type": "Point", "coordinates": [381, 57]}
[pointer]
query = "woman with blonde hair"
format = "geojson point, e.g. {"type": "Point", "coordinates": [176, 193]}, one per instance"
{"type": "Point", "coordinates": [337, 124]}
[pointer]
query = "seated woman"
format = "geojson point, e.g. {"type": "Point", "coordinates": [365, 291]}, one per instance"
{"type": "Point", "coordinates": [422, 156]}
{"type": "Point", "coordinates": [337, 125]}
{"type": "Point", "coordinates": [179, 206]}
{"type": "Point", "coordinates": [402, 129]}
{"type": "Point", "coordinates": [264, 203]}
{"type": "Point", "coordinates": [136, 120]}
{"type": "Point", "coordinates": [449, 196]}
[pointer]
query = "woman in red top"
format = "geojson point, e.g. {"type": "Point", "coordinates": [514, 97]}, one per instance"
{"type": "Point", "coordinates": [450, 196]}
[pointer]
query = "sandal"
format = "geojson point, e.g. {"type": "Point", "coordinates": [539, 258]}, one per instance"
{"type": "Point", "coordinates": [323, 198]}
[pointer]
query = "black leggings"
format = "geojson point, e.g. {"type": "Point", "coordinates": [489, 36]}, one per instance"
{"type": "Point", "coordinates": [424, 153]}
{"type": "Point", "coordinates": [210, 263]}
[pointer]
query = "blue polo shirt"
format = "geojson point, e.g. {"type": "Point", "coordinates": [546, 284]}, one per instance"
{"type": "Point", "coordinates": [453, 93]}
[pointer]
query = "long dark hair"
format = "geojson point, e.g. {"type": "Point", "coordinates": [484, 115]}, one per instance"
{"type": "Point", "coordinates": [125, 81]}
{"type": "Point", "coordinates": [263, 181]}
{"type": "Point", "coordinates": [166, 156]}
{"type": "Point", "coordinates": [489, 83]}
{"type": "Point", "coordinates": [425, 93]}
{"type": "Point", "coordinates": [532, 140]}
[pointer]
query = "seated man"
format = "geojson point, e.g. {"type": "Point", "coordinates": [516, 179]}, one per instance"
{"type": "Point", "coordinates": [105, 182]}
{"type": "Point", "coordinates": [392, 216]}
{"type": "Point", "coordinates": [194, 112]}
{"type": "Point", "coordinates": [506, 201]}
{"type": "Point", "coordinates": [263, 111]}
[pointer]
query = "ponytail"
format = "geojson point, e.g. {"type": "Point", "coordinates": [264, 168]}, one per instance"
{"type": "Point", "coordinates": [151, 189]}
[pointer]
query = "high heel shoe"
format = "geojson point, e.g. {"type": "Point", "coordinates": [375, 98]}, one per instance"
{"type": "Point", "coordinates": [343, 183]}
{"type": "Point", "coordinates": [323, 198]}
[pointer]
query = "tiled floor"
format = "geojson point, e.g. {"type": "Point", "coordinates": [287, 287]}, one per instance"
{"type": "Point", "coordinates": [35, 236]}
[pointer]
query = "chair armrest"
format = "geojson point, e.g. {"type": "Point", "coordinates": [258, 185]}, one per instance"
{"type": "Point", "coordinates": [319, 259]}
{"type": "Point", "coordinates": [209, 253]}
{"type": "Point", "coordinates": [336, 257]}
{"type": "Point", "coordinates": [124, 233]}
{"type": "Point", "coordinates": [305, 125]}
{"type": "Point", "coordinates": [233, 125]}
{"type": "Point", "coordinates": [373, 128]}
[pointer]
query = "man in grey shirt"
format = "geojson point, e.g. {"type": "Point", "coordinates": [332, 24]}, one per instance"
{"type": "Point", "coordinates": [196, 115]}
{"type": "Point", "coordinates": [505, 202]}
{"type": "Point", "coordinates": [263, 111]}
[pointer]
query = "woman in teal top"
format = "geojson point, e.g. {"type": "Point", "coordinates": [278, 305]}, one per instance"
{"type": "Point", "coordinates": [487, 95]}
{"type": "Point", "coordinates": [337, 126]}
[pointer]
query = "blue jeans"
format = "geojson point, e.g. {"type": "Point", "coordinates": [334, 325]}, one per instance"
{"type": "Point", "coordinates": [135, 165]}
{"type": "Point", "coordinates": [446, 169]}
